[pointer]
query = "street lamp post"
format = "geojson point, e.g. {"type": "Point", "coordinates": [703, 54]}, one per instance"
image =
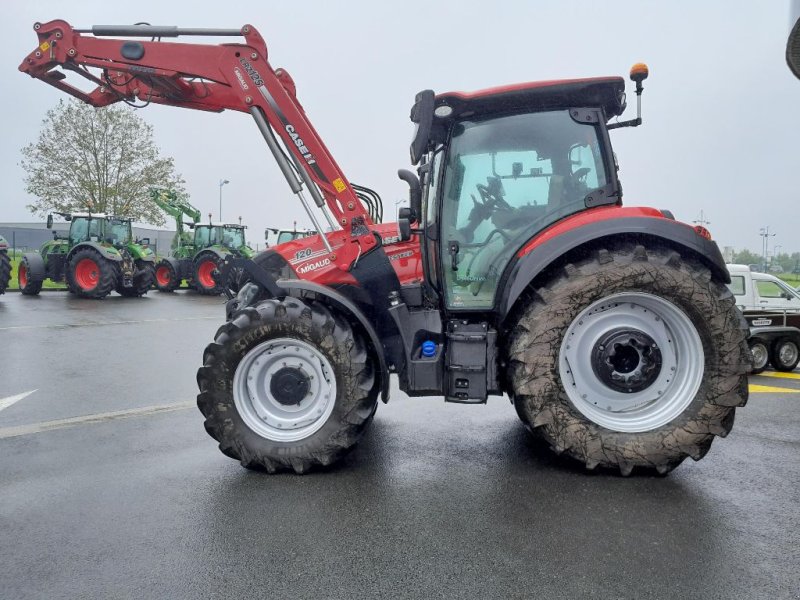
{"type": "Point", "coordinates": [221, 183]}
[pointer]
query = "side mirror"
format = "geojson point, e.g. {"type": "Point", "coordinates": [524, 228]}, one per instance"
{"type": "Point", "coordinates": [49, 221]}
{"type": "Point", "coordinates": [414, 194]}
{"type": "Point", "coordinates": [404, 229]}
{"type": "Point", "coordinates": [422, 117]}
{"type": "Point", "coordinates": [266, 235]}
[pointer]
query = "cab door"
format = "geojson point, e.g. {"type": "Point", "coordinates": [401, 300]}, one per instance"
{"type": "Point", "coordinates": [504, 180]}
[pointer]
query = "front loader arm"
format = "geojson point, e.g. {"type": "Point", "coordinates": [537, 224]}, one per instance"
{"type": "Point", "coordinates": [212, 78]}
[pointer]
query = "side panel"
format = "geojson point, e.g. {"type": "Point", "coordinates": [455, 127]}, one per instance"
{"type": "Point", "coordinates": [592, 226]}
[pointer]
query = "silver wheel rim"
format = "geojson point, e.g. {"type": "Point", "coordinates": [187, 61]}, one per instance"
{"type": "Point", "coordinates": [669, 393]}
{"type": "Point", "coordinates": [787, 353]}
{"type": "Point", "coordinates": [262, 412]}
{"type": "Point", "coordinates": [760, 356]}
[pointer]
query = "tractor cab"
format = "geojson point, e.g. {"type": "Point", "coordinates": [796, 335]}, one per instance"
{"type": "Point", "coordinates": [102, 229]}
{"type": "Point", "coordinates": [499, 166]}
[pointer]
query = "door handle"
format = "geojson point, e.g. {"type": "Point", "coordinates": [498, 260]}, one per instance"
{"type": "Point", "coordinates": [453, 248]}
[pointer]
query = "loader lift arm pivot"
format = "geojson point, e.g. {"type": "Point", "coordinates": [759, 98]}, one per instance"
{"type": "Point", "coordinates": [235, 76]}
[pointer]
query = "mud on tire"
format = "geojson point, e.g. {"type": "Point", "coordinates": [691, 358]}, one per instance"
{"type": "Point", "coordinates": [535, 346]}
{"type": "Point", "coordinates": [315, 326]}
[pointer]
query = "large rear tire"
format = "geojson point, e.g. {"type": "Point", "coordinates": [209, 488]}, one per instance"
{"type": "Point", "coordinates": [90, 275]}
{"type": "Point", "coordinates": [5, 271]}
{"type": "Point", "coordinates": [287, 385]}
{"type": "Point", "coordinates": [29, 285]}
{"type": "Point", "coordinates": [635, 357]}
{"type": "Point", "coordinates": [167, 280]}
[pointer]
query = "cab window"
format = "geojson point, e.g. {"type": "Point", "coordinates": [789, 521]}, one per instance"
{"type": "Point", "coordinates": [506, 179]}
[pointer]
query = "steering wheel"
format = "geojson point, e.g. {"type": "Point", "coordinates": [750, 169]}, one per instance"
{"type": "Point", "coordinates": [580, 174]}
{"type": "Point", "coordinates": [490, 200]}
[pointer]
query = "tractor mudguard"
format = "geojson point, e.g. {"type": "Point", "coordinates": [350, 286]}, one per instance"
{"type": "Point", "coordinates": [141, 253]}
{"type": "Point", "coordinates": [300, 289]}
{"type": "Point", "coordinates": [105, 251]}
{"type": "Point", "coordinates": [36, 268]}
{"type": "Point", "coordinates": [221, 254]}
{"type": "Point", "coordinates": [521, 272]}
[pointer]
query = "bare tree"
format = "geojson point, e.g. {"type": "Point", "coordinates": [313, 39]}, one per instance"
{"type": "Point", "coordinates": [100, 160]}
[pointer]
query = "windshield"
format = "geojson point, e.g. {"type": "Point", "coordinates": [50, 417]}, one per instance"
{"type": "Point", "coordinates": [118, 231]}
{"type": "Point", "coordinates": [506, 179]}
{"type": "Point", "coordinates": [233, 237]}
{"type": "Point", "coordinates": [202, 236]}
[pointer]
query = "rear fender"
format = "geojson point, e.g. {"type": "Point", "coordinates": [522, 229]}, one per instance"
{"type": "Point", "coordinates": [222, 254]}
{"type": "Point", "coordinates": [537, 259]}
{"type": "Point", "coordinates": [107, 252]}
{"type": "Point", "coordinates": [142, 253]}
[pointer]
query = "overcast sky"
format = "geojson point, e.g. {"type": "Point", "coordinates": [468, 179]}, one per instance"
{"type": "Point", "coordinates": [721, 109]}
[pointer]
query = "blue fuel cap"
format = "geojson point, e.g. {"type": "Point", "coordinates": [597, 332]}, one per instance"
{"type": "Point", "coordinates": [428, 349]}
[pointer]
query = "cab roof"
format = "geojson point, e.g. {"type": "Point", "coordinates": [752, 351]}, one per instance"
{"type": "Point", "coordinates": [605, 92]}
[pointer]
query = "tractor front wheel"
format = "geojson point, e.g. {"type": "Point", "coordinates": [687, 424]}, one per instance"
{"type": "Point", "coordinates": [5, 271]}
{"type": "Point", "coordinates": [287, 385]}
{"type": "Point", "coordinates": [28, 285]}
{"type": "Point", "coordinates": [167, 279]}
{"type": "Point", "coordinates": [636, 357]}
{"type": "Point", "coordinates": [90, 275]}
{"type": "Point", "coordinates": [204, 267]}
{"type": "Point", "coordinates": [142, 282]}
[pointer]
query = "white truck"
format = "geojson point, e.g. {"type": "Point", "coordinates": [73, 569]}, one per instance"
{"type": "Point", "coordinates": [772, 310]}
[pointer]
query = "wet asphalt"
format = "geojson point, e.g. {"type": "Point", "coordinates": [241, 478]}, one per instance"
{"type": "Point", "coordinates": [110, 487]}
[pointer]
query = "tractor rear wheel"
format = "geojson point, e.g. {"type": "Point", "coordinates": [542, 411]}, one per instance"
{"type": "Point", "coordinates": [28, 285]}
{"type": "Point", "coordinates": [90, 275]}
{"type": "Point", "coordinates": [287, 385]}
{"type": "Point", "coordinates": [141, 283]}
{"type": "Point", "coordinates": [635, 357]}
{"type": "Point", "coordinates": [5, 271]}
{"type": "Point", "coordinates": [204, 267]}
{"type": "Point", "coordinates": [785, 355]}
{"type": "Point", "coordinates": [167, 279]}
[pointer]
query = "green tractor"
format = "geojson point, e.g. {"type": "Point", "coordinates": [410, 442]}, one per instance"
{"type": "Point", "coordinates": [196, 258]}
{"type": "Point", "coordinates": [5, 265]}
{"type": "Point", "coordinates": [97, 257]}
{"type": "Point", "coordinates": [287, 235]}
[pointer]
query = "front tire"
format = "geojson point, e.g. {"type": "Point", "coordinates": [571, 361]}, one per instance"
{"type": "Point", "coordinates": [635, 357]}
{"type": "Point", "coordinates": [167, 279]}
{"type": "Point", "coordinates": [142, 283]}
{"type": "Point", "coordinates": [785, 355]}
{"type": "Point", "coordinates": [204, 267]}
{"type": "Point", "coordinates": [287, 385]}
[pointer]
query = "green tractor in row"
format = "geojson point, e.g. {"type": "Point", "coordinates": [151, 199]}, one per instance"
{"type": "Point", "coordinates": [5, 265]}
{"type": "Point", "coordinates": [196, 258]}
{"type": "Point", "coordinates": [98, 256]}
{"type": "Point", "coordinates": [286, 235]}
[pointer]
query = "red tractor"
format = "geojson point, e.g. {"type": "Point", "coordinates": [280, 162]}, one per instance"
{"type": "Point", "coordinates": [515, 270]}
